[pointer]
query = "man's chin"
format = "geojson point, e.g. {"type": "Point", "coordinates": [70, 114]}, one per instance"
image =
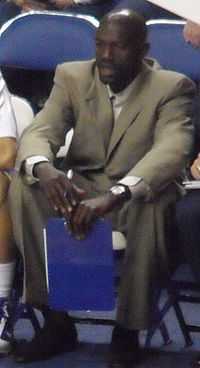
{"type": "Point", "coordinates": [106, 78]}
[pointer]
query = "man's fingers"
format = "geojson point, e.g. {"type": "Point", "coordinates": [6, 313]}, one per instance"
{"type": "Point", "coordinates": [82, 219]}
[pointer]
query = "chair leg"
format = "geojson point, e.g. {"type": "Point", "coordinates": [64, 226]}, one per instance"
{"type": "Point", "coordinates": [165, 333]}
{"type": "Point", "coordinates": [182, 324]}
{"type": "Point", "coordinates": [160, 313]}
{"type": "Point", "coordinates": [174, 296]}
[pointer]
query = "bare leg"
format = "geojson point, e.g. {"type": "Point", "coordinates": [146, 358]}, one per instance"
{"type": "Point", "coordinates": [6, 237]}
{"type": "Point", "coordinates": [7, 261]}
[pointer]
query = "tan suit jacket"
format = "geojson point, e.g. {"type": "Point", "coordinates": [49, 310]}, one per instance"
{"type": "Point", "coordinates": [151, 138]}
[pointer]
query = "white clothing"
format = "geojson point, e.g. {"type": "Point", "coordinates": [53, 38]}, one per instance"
{"type": "Point", "coordinates": [7, 118]}
{"type": "Point", "coordinates": [83, 2]}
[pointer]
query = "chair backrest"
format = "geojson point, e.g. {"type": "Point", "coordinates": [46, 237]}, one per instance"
{"type": "Point", "coordinates": [41, 40]}
{"type": "Point", "coordinates": [168, 46]}
{"type": "Point", "coordinates": [23, 113]}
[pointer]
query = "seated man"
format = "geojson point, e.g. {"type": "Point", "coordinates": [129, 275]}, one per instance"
{"type": "Point", "coordinates": [7, 159]}
{"type": "Point", "coordinates": [132, 136]}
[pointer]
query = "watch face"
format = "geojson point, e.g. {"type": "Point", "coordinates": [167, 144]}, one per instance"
{"type": "Point", "coordinates": [117, 190]}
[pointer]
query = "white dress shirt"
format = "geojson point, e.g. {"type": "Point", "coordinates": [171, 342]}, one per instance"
{"type": "Point", "coordinates": [84, 2]}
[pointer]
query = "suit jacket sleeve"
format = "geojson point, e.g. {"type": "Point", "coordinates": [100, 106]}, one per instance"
{"type": "Point", "coordinates": [47, 132]}
{"type": "Point", "coordinates": [172, 138]}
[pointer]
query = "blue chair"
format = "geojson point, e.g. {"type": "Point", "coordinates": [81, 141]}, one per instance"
{"type": "Point", "coordinates": [168, 47]}
{"type": "Point", "coordinates": [41, 40]}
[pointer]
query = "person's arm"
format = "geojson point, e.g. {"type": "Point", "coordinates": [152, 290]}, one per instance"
{"type": "Point", "coordinates": [27, 5]}
{"type": "Point", "coordinates": [172, 138]}
{"type": "Point", "coordinates": [42, 140]}
{"type": "Point", "coordinates": [8, 129]}
{"type": "Point", "coordinates": [195, 168]}
{"type": "Point", "coordinates": [191, 33]}
{"type": "Point", "coordinates": [8, 148]}
{"type": "Point", "coordinates": [67, 3]}
{"type": "Point", "coordinates": [47, 133]}
{"type": "Point", "coordinates": [88, 210]}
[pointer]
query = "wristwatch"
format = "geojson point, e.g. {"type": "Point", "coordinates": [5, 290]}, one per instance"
{"type": "Point", "coordinates": [121, 190]}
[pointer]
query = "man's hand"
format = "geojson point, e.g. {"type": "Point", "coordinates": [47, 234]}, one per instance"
{"type": "Point", "coordinates": [62, 194]}
{"type": "Point", "coordinates": [27, 5]}
{"type": "Point", "coordinates": [195, 168]}
{"type": "Point", "coordinates": [88, 210]}
{"type": "Point", "coordinates": [191, 33]}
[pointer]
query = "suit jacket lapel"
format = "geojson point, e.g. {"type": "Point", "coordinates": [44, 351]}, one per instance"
{"type": "Point", "coordinates": [100, 108]}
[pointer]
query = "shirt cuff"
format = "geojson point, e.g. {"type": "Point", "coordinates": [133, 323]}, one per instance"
{"type": "Point", "coordinates": [82, 2]}
{"type": "Point", "coordinates": [130, 181]}
{"type": "Point", "coordinates": [31, 162]}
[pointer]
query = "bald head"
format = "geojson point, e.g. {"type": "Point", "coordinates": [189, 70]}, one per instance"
{"type": "Point", "coordinates": [130, 22]}
{"type": "Point", "coordinates": [120, 48]}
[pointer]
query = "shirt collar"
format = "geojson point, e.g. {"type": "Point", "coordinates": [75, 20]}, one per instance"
{"type": "Point", "coordinates": [121, 97]}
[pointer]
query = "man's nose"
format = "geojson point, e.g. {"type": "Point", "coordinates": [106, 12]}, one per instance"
{"type": "Point", "coordinates": [107, 52]}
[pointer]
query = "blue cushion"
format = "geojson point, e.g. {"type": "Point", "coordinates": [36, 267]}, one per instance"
{"type": "Point", "coordinates": [168, 46]}
{"type": "Point", "coordinates": [42, 40]}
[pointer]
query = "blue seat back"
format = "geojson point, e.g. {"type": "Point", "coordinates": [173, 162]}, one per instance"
{"type": "Point", "coordinates": [168, 46]}
{"type": "Point", "coordinates": [41, 40]}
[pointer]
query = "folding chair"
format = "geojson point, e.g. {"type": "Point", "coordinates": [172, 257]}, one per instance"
{"type": "Point", "coordinates": [167, 45]}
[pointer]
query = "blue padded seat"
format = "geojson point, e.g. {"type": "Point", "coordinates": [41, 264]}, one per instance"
{"type": "Point", "coordinates": [41, 40]}
{"type": "Point", "coordinates": [168, 46]}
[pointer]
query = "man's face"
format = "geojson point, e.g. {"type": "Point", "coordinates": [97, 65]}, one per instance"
{"type": "Point", "coordinates": [117, 58]}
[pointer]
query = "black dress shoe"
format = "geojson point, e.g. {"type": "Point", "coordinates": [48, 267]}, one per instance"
{"type": "Point", "coordinates": [51, 340]}
{"type": "Point", "coordinates": [196, 362]}
{"type": "Point", "coordinates": [124, 348]}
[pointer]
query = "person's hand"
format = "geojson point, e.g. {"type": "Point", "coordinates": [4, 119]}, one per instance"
{"type": "Point", "coordinates": [28, 5]}
{"type": "Point", "coordinates": [60, 4]}
{"type": "Point", "coordinates": [191, 33]}
{"type": "Point", "coordinates": [63, 195]}
{"type": "Point", "coordinates": [33, 5]}
{"type": "Point", "coordinates": [195, 168]}
{"type": "Point", "coordinates": [88, 210]}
